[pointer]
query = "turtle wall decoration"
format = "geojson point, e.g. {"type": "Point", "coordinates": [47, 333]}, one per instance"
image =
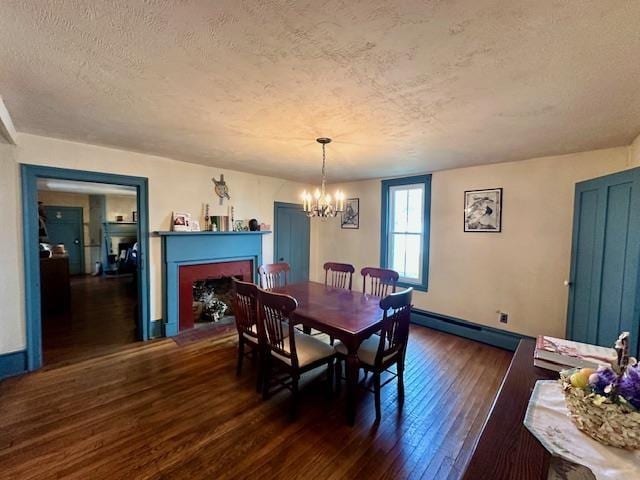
{"type": "Point", "coordinates": [221, 188]}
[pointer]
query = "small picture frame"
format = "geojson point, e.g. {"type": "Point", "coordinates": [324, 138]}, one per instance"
{"type": "Point", "coordinates": [351, 215]}
{"type": "Point", "coordinates": [181, 222]}
{"type": "Point", "coordinates": [483, 210]}
{"type": "Point", "coordinates": [241, 226]}
{"type": "Point", "coordinates": [195, 226]}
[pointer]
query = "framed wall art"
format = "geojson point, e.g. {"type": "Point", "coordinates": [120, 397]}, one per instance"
{"type": "Point", "coordinates": [351, 214]}
{"type": "Point", "coordinates": [483, 210]}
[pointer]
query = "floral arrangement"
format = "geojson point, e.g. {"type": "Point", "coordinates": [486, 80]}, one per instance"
{"type": "Point", "coordinates": [207, 304]}
{"type": "Point", "coordinates": [605, 403]}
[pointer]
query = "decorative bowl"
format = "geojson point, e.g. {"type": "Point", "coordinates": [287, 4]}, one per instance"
{"type": "Point", "coordinates": [609, 422]}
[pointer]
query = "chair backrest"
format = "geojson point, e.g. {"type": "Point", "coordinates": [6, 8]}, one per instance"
{"type": "Point", "coordinates": [273, 275]}
{"type": "Point", "coordinates": [338, 275]}
{"type": "Point", "coordinates": [274, 310]}
{"type": "Point", "coordinates": [245, 307]}
{"type": "Point", "coordinates": [394, 333]}
{"type": "Point", "coordinates": [382, 282]}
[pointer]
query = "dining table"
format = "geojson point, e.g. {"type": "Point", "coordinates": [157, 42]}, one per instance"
{"type": "Point", "coordinates": [346, 315]}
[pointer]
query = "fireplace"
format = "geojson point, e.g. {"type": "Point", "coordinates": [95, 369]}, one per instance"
{"type": "Point", "coordinates": [188, 257]}
{"type": "Point", "coordinates": [189, 275]}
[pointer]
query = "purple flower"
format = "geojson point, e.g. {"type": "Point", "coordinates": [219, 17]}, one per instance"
{"type": "Point", "coordinates": [629, 386]}
{"type": "Point", "coordinates": [603, 378]}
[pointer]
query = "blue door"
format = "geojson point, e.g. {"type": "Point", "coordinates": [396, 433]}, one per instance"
{"type": "Point", "coordinates": [291, 232]}
{"type": "Point", "coordinates": [64, 225]}
{"type": "Point", "coordinates": [603, 296]}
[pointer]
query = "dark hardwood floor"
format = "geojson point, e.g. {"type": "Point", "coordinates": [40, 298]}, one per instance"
{"type": "Point", "coordinates": [101, 319]}
{"type": "Point", "coordinates": [176, 410]}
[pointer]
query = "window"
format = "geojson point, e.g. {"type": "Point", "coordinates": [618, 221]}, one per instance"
{"type": "Point", "coordinates": [405, 229]}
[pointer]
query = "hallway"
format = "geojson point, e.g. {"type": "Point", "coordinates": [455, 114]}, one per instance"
{"type": "Point", "coordinates": [102, 319]}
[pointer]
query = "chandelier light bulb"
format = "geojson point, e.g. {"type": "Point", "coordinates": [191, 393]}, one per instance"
{"type": "Point", "coordinates": [321, 204]}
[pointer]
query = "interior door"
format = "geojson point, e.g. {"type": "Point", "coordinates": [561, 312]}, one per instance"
{"type": "Point", "coordinates": [64, 225]}
{"type": "Point", "coordinates": [291, 232]}
{"type": "Point", "coordinates": [603, 298]}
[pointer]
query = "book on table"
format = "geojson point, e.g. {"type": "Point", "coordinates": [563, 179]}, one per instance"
{"type": "Point", "coordinates": [559, 354]}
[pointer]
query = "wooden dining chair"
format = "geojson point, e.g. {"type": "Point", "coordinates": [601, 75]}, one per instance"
{"type": "Point", "coordinates": [287, 349]}
{"type": "Point", "coordinates": [273, 275]}
{"type": "Point", "coordinates": [338, 275]}
{"type": "Point", "coordinates": [245, 309]}
{"type": "Point", "coordinates": [379, 352]}
{"type": "Point", "coordinates": [381, 281]}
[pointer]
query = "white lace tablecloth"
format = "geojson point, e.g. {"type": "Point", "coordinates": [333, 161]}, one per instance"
{"type": "Point", "coordinates": [548, 420]}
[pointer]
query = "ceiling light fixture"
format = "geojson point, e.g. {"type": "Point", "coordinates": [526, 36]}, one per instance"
{"type": "Point", "coordinates": [320, 204]}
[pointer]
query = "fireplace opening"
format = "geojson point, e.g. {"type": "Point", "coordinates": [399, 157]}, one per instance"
{"type": "Point", "coordinates": [205, 292]}
{"type": "Point", "coordinates": [213, 301]}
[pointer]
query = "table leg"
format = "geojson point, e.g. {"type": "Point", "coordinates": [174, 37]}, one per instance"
{"type": "Point", "coordinates": [352, 385]}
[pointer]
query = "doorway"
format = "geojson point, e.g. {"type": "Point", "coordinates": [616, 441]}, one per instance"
{"type": "Point", "coordinates": [86, 275]}
{"type": "Point", "coordinates": [292, 233]}
{"type": "Point", "coordinates": [605, 263]}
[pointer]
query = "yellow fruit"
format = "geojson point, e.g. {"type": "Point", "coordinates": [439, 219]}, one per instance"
{"type": "Point", "coordinates": [587, 372]}
{"type": "Point", "coordinates": [579, 380]}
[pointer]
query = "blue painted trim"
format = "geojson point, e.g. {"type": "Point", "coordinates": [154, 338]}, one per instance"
{"type": "Point", "coordinates": [13, 363]}
{"type": "Point", "coordinates": [29, 177]}
{"type": "Point", "coordinates": [463, 328]}
{"type": "Point", "coordinates": [183, 250]}
{"type": "Point", "coordinates": [384, 225]}
{"type": "Point", "coordinates": [157, 329]}
{"type": "Point", "coordinates": [601, 186]}
{"type": "Point", "coordinates": [276, 244]}
{"type": "Point", "coordinates": [189, 234]}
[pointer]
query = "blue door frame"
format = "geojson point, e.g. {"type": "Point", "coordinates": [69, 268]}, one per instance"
{"type": "Point", "coordinates": [30, 175]}
{"type": "Point", "coordinates": [604, 295]}
{"type": "Point", "coordinates": [298, 272]}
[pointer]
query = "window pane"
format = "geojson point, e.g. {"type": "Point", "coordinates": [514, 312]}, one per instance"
{"type": "Point", "coordinates": [414, 210]}
{"type": "Point", "coordinates": [405, 255]}
{"type": "Point", "coordinates": [398, 253]}
{"type": "Point", "coordinates": [399, 210]}
{"type": "Point", "coordinates": [412, 259]}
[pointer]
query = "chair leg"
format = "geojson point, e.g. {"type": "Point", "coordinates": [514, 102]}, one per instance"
{"type": "Point", "coordinates": [377, 388]}
{"type": "Point", "coordinates": [338, 375]}
{"type": "Point", "coordinates": [294, 396]}
{"type": "Point", "coordinates": [240, 356]}
{"type": "Point", "coordinates": [257, 353]}
{"type": "Point", "coordinates": [266, 376]}
{"type": "Point", "coordinates": [330, 377]}
{"type": "Point", "coordinates": [401, 380]}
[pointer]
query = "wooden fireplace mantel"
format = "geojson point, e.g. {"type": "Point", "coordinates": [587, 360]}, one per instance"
{"type": "Point", "coordinates": [189, 252]}
{"type": "Point", "coordinates": [169, 233]}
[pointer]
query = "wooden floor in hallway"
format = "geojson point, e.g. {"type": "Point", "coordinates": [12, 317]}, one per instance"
{"type": "Point", "coordinates": [101, 319]}
{"type": "Point", "coordinates": [176, 410]}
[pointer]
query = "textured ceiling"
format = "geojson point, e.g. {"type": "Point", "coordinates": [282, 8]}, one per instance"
{"type": "Point", "coordinates": [402, 86]}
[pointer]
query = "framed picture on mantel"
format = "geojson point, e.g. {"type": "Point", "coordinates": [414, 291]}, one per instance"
{"type": "Point", "coordinates": [483, 210]}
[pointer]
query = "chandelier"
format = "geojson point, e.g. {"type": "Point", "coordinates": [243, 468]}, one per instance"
{"type": "Point", "coordinates": [320, 204]}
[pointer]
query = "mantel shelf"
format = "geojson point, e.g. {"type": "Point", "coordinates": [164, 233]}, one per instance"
{"type": "Point", "coordinates": [169, 233]}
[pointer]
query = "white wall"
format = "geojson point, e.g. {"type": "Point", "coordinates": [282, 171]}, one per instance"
{"type": "Point", "coordinates": [12, 331]}
{"type": "Point", "coordinates": [123, 205]}
{"type": "Point", "coordinates": [634, 153]}
{"type": "Point", "coordinates": [173, 185]}
{"type": "Point", "coordinates": [472, 275]}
